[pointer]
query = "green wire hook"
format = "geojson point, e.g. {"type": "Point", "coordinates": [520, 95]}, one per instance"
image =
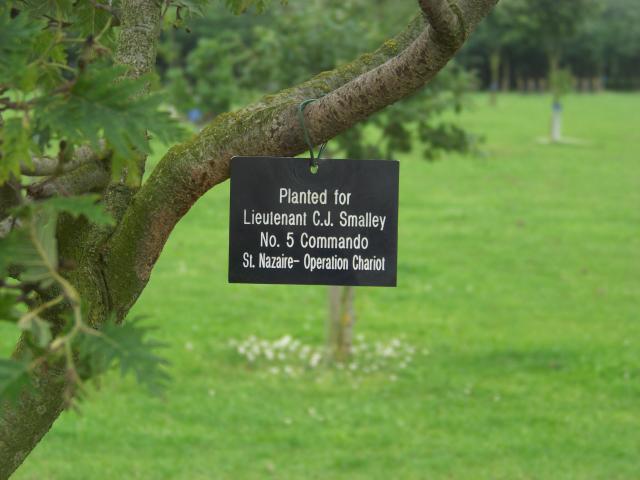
{"type": "Point", "coordinates": [305, 132]}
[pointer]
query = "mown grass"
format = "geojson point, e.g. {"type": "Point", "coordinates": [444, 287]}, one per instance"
{"type": "Point", "coordinates": [519, 272]}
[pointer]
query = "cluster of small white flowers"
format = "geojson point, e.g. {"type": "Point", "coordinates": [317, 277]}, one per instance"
{"type": "Point", "coordinates": [392, 355]}
{"type": "Point", "coordinates": [290, 357]}
{"type": "Point", "coordinates": [284, 355]}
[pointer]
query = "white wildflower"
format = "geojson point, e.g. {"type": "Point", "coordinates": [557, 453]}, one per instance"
{"type": "Point", "coordinates": [315, 360]}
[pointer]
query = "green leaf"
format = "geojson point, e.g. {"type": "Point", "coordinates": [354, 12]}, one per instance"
{"type": "Point", "coordinates": [57, 9]}
{"type": "Point", "coordinates": [32, 249]}
{"type": "Point", "coordinates": [14, 379]}
{"type": "Point", "coordinates": [49, 74]}
{"type": "Point", "coordinates": [8, 312]}
{"type": "Point", "coordinates": [241, 6]}
{"type": "Point", "coordinates": [102, 102]}
{"type": "Point", "coordinates": [14, 148]}
{"type": "Point", "coordinates": [79, 205]}
{"type": "Point", "coordinates": [39, 329]}
{"type": "Point", "coordinates": [16, 41]}
{"type": "Point", "coordinates": [128, 346]}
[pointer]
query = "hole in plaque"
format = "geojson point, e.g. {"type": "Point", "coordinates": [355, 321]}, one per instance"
{"type": "Point", "coordinates": [313, 169]}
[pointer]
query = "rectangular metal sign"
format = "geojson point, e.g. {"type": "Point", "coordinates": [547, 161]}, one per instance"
{"type": "Point", "coordinates": [338, 226]}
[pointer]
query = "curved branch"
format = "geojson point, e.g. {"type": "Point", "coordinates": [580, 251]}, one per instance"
{"type": "Point", "coordinates": [270, 127]}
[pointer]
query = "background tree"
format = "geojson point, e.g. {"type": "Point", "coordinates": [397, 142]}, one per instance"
{"type": "Point", "coordinates": [552, 24]}
{"type": "Point", "coordinates": [85, 233]}
{"type": "Point", "coordinates": [607, 46]}
{"type": "Point", "coordinates": [493, 37]}
{"type": "Point", "coordinates": [600, 45]}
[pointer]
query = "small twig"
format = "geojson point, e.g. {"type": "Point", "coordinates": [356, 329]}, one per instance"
{"type": "Point", "coordinates": [11, 105]}
{"type": "Point", "coordinates": [104, 30]}
{"type": "Point", "coordinates": [41, 308]}
{"type": "Point", "coordinates": [115, 13]}
{"type": "Point", "coordinates": [61, 65]}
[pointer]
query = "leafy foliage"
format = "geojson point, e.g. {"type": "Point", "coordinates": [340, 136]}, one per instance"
{"type": "Point", "coordinates": [8, 311]}
{"type": "Point", "coordinates": [31, 250]}
{"type": "Point", "coordinates": [59, 85]}
{"type": "Point", "coordinates": [129, 347]}
{"type": "Point", "coordinates": [79, 205]}
{"type": "Point", "coordinates": [17, 38]}
{"type": "Point", "coordinates": [211, 68]}
{"type": "Point", "coordinates": [15, 147]}
{"type": "Point", "coordinates": [101, 100]}
{"type": "Point", "coordinates": [38, 329]}
{"type": "Point", "coordinates": [593, 39]}
{"type": "Point", "coordinates": [560, 81]}
{"type": "Point", "coordinates": [242, 6]}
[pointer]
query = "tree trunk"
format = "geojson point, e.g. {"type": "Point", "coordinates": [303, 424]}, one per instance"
{"type": "Point", "coordinates": [506, 76]}
{"type": "Point", "coordinates": [340, 323]}
{"type": "Point", "coordinates": [556, 122]}
{"type": "Point", "coordinates": [494, 66]}
{"type": "Point", "coordinates": [556, 108]}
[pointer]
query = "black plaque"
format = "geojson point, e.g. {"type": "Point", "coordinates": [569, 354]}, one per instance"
{"type": "Point", "coordinates": [338, 226]}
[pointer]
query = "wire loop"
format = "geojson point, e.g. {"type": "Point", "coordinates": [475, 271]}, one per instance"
{"type": "Point", "coordinates": [305, 132]}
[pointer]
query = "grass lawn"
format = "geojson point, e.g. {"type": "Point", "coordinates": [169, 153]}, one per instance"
{"type": "Point", "coordinates": [518, 285]}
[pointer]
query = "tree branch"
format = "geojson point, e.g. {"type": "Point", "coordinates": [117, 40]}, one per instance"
{"type": "Point", "coordinates": [270, 127]}
{"type": "Point", "coordinates": [139, 35]}
{"type": "Point", "coordinates": [46, 166]}
{"type": "Point", "coordinates": [9, 198]}
{"type": "Point", "coordinates": [88, 177]}
{"type": "Point", "coordinates": [446, 20]}
{"type": "Point", "coordinates": [137, 47]}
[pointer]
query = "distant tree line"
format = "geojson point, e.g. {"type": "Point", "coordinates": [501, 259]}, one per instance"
{"type": "Point", "coordinates": [524, 41]}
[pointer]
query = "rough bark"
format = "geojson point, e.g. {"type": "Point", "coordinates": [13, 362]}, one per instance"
{"type": "Point", "coordinates": [141, 21]}
{"type": "Point", "coordinates": [114, 267]}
